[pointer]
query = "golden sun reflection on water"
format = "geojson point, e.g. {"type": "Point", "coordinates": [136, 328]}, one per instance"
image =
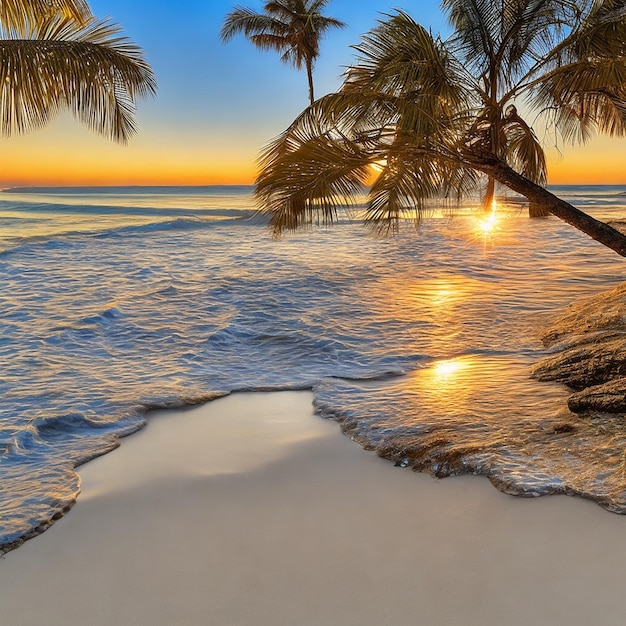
{"type": "Point", "coordinates": [445, 370]}
{"type": "Point", "coordinates": [447, 387]}
{"type": "Point", "coordinates": [448, 383]}
{"type": "Point", "coordinates": [436, 307]}
{"type": "Point", "coordinates": [494, 228]}
{"type": "Point", "coordinates": [458, 385]}
{"type": "Point", "coordinates": [435, 299]}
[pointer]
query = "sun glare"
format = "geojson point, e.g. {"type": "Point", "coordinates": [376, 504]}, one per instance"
{"type": "Point", "coordinates": [445, 369]}
{"type": "Point", "coordinates": [486, 225]}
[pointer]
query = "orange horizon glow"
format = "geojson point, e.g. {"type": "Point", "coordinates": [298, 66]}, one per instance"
{"type": "Point", "coordinates": [576, 173]}
{"type": "Point", "coordinates": [65, 154]}
{"type": "Point", "coordinates": [599, 162]}
{"type": "Point", "coordinates": [17, 172]}
{"type": "Point", "coordinates": [112, 180]}
{"type": "Point", "coordinates": [106, 164]}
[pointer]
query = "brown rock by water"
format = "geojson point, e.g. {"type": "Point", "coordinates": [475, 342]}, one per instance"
{"type": "Point", "coordinates": [607, 398]}
{"type": "Point", "coordinates": [595, 361]}
{"type": "Point", "coordinates": [589, 352]}
{"type": "Point", "coordinates": [603, 312]}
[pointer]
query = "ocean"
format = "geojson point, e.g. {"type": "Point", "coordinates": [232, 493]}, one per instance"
{"type": "Point", "coordinates": [115, 301]}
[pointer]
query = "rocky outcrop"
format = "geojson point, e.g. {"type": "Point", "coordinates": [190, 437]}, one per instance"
{"type": "Point", "coordinates": [603, 312]}
{"type": "Point", "coordinates": [588, 353]}
{"type": "Point", "coordinates": [597, 360]}
{"type": "Point", "coordinates": [608, 398]}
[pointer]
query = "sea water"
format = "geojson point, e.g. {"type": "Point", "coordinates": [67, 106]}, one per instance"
{"type": "Point", "coordinates": [114, 301]}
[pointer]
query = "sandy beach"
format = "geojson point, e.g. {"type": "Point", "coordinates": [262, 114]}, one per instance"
{"type": "Point", "coordinates": [253, 510]}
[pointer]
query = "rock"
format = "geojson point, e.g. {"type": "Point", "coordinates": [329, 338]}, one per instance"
{"type": "Point", "coordinates": [607, 398]}
{"type": "Point", "coordinates": [593, 362]}
{"type": "Point", "coordinates": [603, 312]}
{"type": "Point", "coordinates": [588, 352]}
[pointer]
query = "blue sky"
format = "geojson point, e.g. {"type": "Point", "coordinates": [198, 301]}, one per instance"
{"type": "Point", "coordinates": [217, 104]}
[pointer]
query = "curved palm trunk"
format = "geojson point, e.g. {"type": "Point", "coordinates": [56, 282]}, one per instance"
{"type": "Point", "coordinates": [309, 74]}
{"type": "Point", "coordinates": [541, 197]}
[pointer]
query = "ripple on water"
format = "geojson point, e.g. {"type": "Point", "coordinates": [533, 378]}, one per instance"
{"type": "Point", "coordinates": [96, 330]}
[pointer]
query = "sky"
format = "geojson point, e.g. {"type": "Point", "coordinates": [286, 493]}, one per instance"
{"type": "Point", "coordinates": [218, 104]}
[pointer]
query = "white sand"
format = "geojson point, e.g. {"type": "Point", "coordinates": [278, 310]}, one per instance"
{"type": "Point", "coordinates": [252, 511]}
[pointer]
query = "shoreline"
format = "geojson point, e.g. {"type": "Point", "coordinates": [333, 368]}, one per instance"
{"type": "Point", "coordinates": [252, 510]}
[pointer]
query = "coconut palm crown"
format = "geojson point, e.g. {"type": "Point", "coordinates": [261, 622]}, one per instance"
{"type": "Point", "coordinates": [54, 54]}
{"type": "Point", "coordinates": [293, 28]}
{"type": "Point", "coordinates": [444, 117]}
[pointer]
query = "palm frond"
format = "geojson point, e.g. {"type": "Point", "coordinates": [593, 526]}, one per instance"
{"type": "Point", "coordinates": [91, 70]}
{"type": "Point", "coordinates": [316, 6]}
{"type": "Point", "coordinates": [322, 23]}
{"type": "Point", "coordinates": [272, 42]}
{"type": "Point", "coordinates": [476, 23]}
{"type": "Point", "coordinates": [19, 15]}
{"type": "Point", "coordinates": [399, 56]}
{"type": "Point", "coordinates": [242, 20]}
{"type": "Point", "coordinates": [310, 181]}
{"type": "Point", "coordinates": [601, 33]}
{"type": "Point", "coordinates": [399, 60]}
{"type": "Point", "coordinates": [286, 10]}
{"type": "Point", "coordinates": [408, 178]}
{"type": "Point", "coordinates": [585, 97]}
{"type": "Point", "coordinates": [312, 168]}
{"type": "Point", "coordinates": [530, 32]}
{"type": "Point", "coordinates": [523, 150]}
{"type": "Point", "coordinates": [583, 87]}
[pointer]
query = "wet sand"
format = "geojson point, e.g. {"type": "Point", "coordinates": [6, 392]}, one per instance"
{"type": "Point", "coordinates": [251, 510]}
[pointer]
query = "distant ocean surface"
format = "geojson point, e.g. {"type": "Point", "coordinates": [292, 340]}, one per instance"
{"type": "Point", "coordinates": [118, 300]}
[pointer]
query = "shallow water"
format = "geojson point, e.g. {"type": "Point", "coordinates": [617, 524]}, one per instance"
{"type": "Point", "coordinates": [114, 301]}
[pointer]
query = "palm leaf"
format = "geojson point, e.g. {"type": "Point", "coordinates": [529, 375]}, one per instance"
{"type": "Point", "coordinates": [19, 15]}
{"type": "Point", "coordinates": [90, 70]}
{"type": "Point", "coordinates": [582, 80]}
{"type": "Point", "coordinates": [312, 168]}
{"type": "Point", "coordinates": [403, 70]}
{"type": "Point", "coordinates": [523, 150]}
{"type": "Point", "coordinates": [585, 97]}
{"type": "Point", "coordinates": [476, 25]}
{"type": "Point", "coordinates": [251, 24]}
{"type": "Point", "coordinates": [311, 181]}
{"type": "Point", "coordinates": [413, 172]}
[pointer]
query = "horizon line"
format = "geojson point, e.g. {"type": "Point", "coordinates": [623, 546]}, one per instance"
{"type": "Point", "coordinates": [170, 185]}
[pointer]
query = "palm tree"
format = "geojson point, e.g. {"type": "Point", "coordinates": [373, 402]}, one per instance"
{"type": "Point", "coordinates": [293, 28]}
{"type": "Point", "coordinates": [54, 54]}
{"type": "Point", "coordinates": [443, 117]}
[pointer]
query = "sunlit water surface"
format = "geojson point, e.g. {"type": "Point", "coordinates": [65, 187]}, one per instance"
{"type": "Point", "coordinates": [117, 300]}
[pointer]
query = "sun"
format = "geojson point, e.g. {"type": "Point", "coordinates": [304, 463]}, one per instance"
{"type": "Point", "coordinates": [486, 225]}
